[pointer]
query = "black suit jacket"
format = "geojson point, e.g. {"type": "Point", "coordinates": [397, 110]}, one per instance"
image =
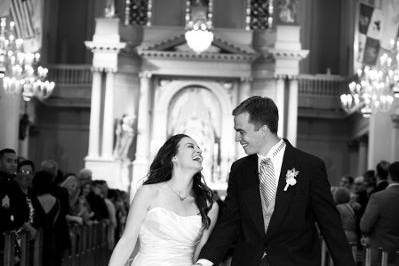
{"type": "Point", "coordinates": [16, 212]}
{"type": "Point", "coordinates": [381, 185]}
{"type": "Point", "coordinates": [381, 219]}
{"type": "Point", "coordinates": [292, 238]}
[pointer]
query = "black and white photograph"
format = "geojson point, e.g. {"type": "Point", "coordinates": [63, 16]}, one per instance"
{"type": "Point", "coordinates": [199, 132]}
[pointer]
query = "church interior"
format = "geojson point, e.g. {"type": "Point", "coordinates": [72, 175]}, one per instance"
{"type": "Point", "coordinates": [131, 71]}
{"type": "Point", "coordinates": [124, 75]}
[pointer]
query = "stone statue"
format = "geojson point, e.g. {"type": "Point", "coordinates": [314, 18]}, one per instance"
{"type": "Point", "coordinates": [124, 136]}
{"type": "Point", "coordinates": [287, 11]}
{"type": "Point", "coordinates": [109, 11]}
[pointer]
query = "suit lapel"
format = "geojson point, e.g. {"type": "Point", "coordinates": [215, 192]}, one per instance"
{"type": "Point", "coordinates": [283, 198]}
{"type": "Point", "coordinates": [252, 194]}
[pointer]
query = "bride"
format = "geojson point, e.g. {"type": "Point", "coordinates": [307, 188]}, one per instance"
{"type": "Point", "coordinates": [172, 213]}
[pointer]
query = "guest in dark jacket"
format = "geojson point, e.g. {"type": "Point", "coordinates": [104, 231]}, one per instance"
{"type": "Point", "coordinates": [24, 178]}
{"type": "Point", "coordinates": [382, 175]}
{"type": "Point", "coordinates": [12, 211]}
{"type": "Point", "coordinates": [380, 221]}
{"type": "Point", "coordinates": [50, 219]}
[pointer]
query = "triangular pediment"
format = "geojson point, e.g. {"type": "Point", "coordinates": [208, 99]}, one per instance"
{"type": "Point", "coordinates": [178, 45]}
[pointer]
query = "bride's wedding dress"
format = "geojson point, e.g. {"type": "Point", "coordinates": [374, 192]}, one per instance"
{"type": "Point", "coordinates": [168, 239]}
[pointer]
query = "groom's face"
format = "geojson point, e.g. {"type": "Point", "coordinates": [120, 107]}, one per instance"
{"type": "Point", "coordinates": [251, 139]}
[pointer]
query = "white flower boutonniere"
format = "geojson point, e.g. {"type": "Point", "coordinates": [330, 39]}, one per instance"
{"type": "Point", "coordinates": [290, 178]}
{"type": "Point", "coordinates": [5, 202]}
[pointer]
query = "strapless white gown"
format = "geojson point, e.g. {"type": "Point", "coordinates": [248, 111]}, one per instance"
{"type": "Point", "coordinates": [168, 239]}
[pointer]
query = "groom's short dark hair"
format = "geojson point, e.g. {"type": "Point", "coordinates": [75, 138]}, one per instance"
{"type": "Point", "coordinates": [261, 110]}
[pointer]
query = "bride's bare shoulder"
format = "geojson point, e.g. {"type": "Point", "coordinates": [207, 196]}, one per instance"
{"type": "Point", "coordinates": [150, 190]}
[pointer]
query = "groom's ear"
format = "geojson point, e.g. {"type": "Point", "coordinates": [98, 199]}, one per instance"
{"type": "Point", "coordinates": [264, 130]}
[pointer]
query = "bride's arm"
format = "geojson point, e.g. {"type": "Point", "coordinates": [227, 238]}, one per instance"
{"type": "Point", "coordinates": [213, 214]}
{"type": "Point", "coordinates": [137, 212]}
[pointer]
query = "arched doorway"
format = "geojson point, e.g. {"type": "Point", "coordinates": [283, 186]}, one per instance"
{"type": "Point", "coordinates": [195, 111]}
{"type": "Point", "coordinates": [201, 109]}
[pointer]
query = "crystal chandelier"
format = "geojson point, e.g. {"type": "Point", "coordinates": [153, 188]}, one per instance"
{"type": "Point", "coordinates": [374, 87]}
{"type": "Point", "coordinates": [18, 69]}
{"type": "Point", "coordinates": [199, 35]}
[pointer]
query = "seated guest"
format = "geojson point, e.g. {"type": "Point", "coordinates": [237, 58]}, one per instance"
{"type": "Point", "coordinates": [348, 211]}
{"type": "Point", "coordinates": [380, 221]}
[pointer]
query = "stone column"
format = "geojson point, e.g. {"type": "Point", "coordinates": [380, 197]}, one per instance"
{"type": "Point", "coordinates": [105, 47]}
{"type": "Point", "coordinates": [288, 53]}
{"type": "Point", "coordinates": [95, 113]}
{"type": "Point", "coordinates": [244, 93]}
{"type": "Point", "coordinates": [108, 121]}
{"type": "Point", "coordinates": [245, 88]}
{"type": "Point", "coordinates": [395, 138]}
{"type": "Point", "coordinates": [141, 162]}
{"type": "Point", "coordinates": [9, 119]}
{"type": "Point", "coordinates": [292, 116]}
{"type": "Point", "coordinates": [380, 132]}
{"type": "Point", "coordinates": [280, 102]}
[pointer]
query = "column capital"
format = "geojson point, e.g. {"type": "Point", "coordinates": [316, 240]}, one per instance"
{"type": "Point", "coordinates": [105, 47]}
{"type": "Point", "coordinates": [103, 69]}
{"type": "Point", "coordinates": [145, 74]}
{"type": "Point", "coordinates": [285, 76]}
{"type": "Point", "coordinates": [246, 79]}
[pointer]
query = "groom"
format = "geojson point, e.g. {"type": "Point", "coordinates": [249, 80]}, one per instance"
{"type": "Point", "coordinates": [275, 197]}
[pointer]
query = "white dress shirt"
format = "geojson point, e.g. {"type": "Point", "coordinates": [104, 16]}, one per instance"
{"type": "Point", "coordinates": [277, 160]}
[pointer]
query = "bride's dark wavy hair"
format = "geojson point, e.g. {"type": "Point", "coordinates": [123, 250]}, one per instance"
{"type": "Point", "coordinates": [161, 171]}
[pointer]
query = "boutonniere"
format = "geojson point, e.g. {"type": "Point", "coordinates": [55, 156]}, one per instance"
{"type": "Point", "coordinates": [290, 178]}
{"type": "Point", "coordinates": [5, 202]}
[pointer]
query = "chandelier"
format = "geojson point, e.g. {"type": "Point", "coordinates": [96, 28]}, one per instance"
{"type": "Point", "coordinates": [374, 87]}
{"type": "Point", "coordinates": [18, 69]}
{"type": "Point", "coordinates": [199, 35]}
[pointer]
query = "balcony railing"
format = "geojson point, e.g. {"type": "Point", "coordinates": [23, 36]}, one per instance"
{"type": "Point", "coordinates": [320, 92]}
{"type": "Point", "coordinates": [322, 85]}
{"type": "Point", "coordinates": [70, 74]}
{"type": "Point", "coordinates": [73, 85]}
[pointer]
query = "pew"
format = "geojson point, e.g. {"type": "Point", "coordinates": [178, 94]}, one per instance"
{"type": "Point", "coordinates": [89, 246]}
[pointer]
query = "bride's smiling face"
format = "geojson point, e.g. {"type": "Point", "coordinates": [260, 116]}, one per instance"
{"type": "Point", "coordinates": [189, 155]}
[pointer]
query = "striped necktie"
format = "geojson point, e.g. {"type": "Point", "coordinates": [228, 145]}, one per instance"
{"type": "Point", "coordinates": [268, 183]}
